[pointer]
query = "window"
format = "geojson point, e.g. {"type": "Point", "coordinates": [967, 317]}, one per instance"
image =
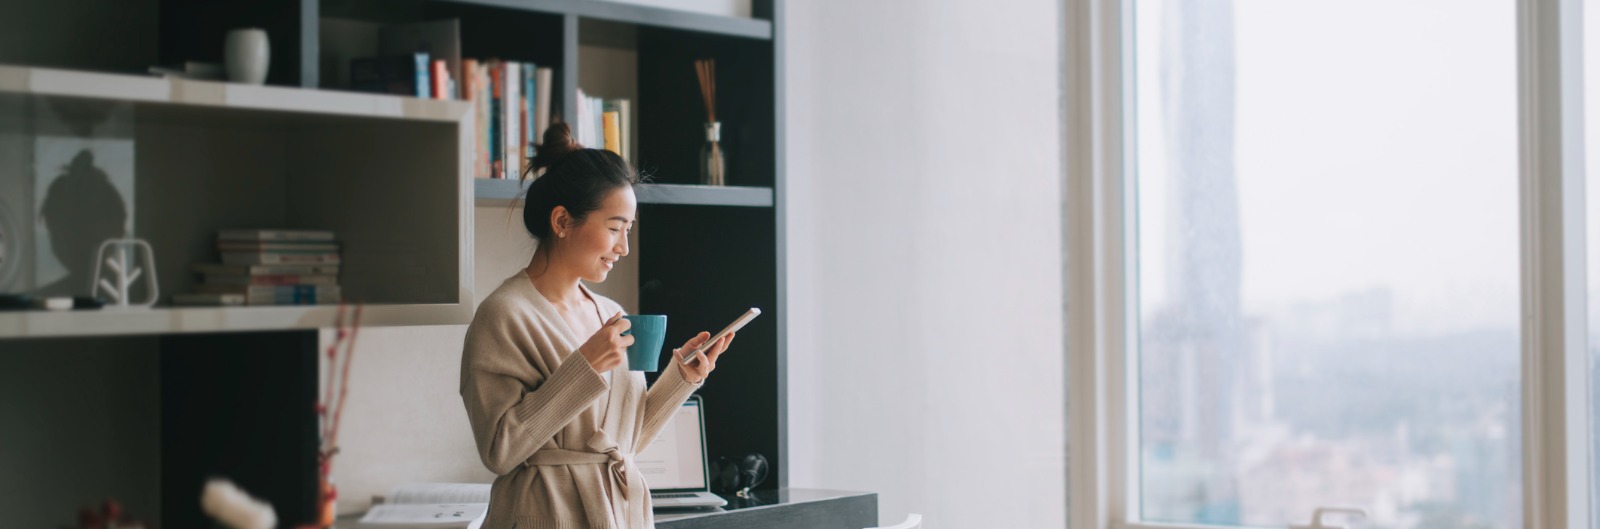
{"type": "Point", "coordinates": [1327, 288]}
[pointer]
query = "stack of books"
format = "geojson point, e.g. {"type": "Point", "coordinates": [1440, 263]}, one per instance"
{"type": "Point", "coordinates": [604, 124]}
{"type": "Point", "coordinates": [269, 267]}
{"type": "Point", "coordinates": [511, 99]}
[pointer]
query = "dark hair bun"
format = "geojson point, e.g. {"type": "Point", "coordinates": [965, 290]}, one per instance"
{"type": "Point", "coordinates": [558, 143]}
{"type": "Point", "coordinates": [569, 176]}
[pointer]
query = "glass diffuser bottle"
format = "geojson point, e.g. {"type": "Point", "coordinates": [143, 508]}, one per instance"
{"type": "Point", "coordinates": [713, 165]}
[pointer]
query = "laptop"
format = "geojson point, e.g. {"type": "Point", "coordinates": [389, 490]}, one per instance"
{"type": "Point", "coordinates": [675, 464]}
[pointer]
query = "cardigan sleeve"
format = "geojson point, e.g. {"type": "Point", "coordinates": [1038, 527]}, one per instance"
{"type": "Point", "coordinates": [662, 400]}
{"type": "Point", "coordinates": [515, 409]}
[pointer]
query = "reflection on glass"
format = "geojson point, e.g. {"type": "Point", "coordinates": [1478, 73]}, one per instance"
{"type": "Point", "coordinates": [1328, 285]}
{"type": "Point", "coordinates": [66, 186]}
{"type": "Point", "coordinates": [80, 210]}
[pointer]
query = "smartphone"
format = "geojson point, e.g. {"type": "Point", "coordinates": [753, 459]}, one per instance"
{"type": "Point", "coordinates": [751, 314]}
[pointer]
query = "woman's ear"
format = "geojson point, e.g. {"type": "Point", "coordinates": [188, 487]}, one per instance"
{"type": "Point", "coordinates": [560, 221]}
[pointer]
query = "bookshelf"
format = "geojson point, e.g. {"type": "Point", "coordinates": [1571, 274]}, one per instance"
{"type": "Point", "coordinates": [209, 156]}
{"type": "Point", "coordinates": [388, 174]}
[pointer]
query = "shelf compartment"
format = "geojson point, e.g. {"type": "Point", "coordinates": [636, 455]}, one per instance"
{"type": "Point", "coordinates": [498, 192]}
{"type": "Point", "coordinates": [185, 159]}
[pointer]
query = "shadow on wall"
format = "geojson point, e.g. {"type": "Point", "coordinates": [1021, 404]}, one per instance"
{"type": "Point", "coordinates": [80, 210]}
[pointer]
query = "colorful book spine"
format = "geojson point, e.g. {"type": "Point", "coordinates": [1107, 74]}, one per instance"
{"type": "Point", "coordinates": [440, 85]}
{"type": "Point", "coordinates": [279, 295]}
{"type": "Point", "coordinates": [275, 235]}
{"type": "Point", "coordinates": [497, 84]}
{"type": "Point", "coordinates": [529, 103]}
{"type": "Point", "coordinates": [422, 74]}
{"type": "Point", "coordinates": [211, 269]}
{"type": "Point", "coordinates": [277, 258]}
{"type": "Point", "coordinates": [270, 280]}
{"type": "Point", "coordinates": [512, 149]}
{"type": "Point", "coordinates": [543, 78]}
{"type": "Point", "coordinates": [469, 93]}
{"type": "Point", "coordinates": [613, 132]}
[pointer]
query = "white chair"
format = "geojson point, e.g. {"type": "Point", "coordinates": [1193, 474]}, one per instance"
{"type": "Point", "coordinates": [913, 521]}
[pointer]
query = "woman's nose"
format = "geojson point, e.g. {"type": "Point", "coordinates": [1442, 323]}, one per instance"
{"type": "Point", "coordinates": [622, 246]}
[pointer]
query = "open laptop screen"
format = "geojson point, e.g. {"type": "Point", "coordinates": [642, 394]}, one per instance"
{"type": "Point", "coordinates": [677, 460]}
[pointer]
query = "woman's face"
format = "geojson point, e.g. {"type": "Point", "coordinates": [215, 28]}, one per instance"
{"type": "Point", "coordinates": [592, 247]}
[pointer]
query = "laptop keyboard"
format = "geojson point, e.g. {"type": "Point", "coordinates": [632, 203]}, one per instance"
{"type": "Point", "coordinates": [677, 495]}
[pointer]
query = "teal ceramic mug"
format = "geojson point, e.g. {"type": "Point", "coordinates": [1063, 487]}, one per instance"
{"type": "Point", "coordinates": [649, 335]}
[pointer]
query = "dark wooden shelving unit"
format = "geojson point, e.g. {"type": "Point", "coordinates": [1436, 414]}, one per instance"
{"type": "Point", "coordinates": [709, 252]}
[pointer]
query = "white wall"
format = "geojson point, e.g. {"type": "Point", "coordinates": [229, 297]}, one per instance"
{"type": "Point", "coordinates": [926, 314]}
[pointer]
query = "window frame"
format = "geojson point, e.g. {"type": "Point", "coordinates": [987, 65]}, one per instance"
{"type": "Point", "coordinates": [1102, 267]}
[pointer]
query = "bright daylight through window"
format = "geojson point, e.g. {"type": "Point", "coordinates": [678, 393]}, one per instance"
{"type": "Point", "coordinates": [1328, 285]}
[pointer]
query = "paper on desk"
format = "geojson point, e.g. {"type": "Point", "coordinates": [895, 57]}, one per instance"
{"type": "Point", "coordinates": [426, 515]}
{"type": "Point", "coordinates": [440, 493]}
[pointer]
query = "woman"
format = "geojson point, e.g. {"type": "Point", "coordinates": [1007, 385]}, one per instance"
{"type": "Point", "coordinates": [555, 410]}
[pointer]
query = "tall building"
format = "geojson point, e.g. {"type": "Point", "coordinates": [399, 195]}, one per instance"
{"type": "Point", "coordinates": [1191, 347]}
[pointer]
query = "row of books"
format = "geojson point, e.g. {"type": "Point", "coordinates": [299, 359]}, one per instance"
{"type": "Point", "coordinates": [604, 123]}
{"type": "Point", "coordinates": [511, 100]}
{"type": "Point", "coordinates": [269, 267]}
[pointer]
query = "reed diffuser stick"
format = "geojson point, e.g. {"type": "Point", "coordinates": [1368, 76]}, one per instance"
{"type": "Point", "coordinates": [712, 165]}
{"type": "Point", "coordinates": [706, 69]}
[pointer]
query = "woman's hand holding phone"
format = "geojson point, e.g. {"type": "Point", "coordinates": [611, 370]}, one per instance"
{"type": "Point", "coordinates": [608, 347]}
{"type": "Point", "coordinates": [703, 362]}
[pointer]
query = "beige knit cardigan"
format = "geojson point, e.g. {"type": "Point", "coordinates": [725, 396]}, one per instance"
{"type": "Point", "coordinates": [563, 453]}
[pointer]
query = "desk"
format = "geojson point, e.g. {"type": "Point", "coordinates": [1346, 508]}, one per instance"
{"type": "Point", "coordinates": [781, 509]}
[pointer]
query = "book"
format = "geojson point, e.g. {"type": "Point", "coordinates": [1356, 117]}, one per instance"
{"type": "Point", "coordinates": [208, 300]}
{"type": "Point", "coordinates": [273, 246]}
{"type": "Point", "coordinates": [512, 78]}
{"type": "Point", "coordinates": [469, 93]}
{"type": "Point", "coordinates": [613, 132]}
{"type": "Point", "coordinates": [270, 280]}
{"type": "Point", "coordinates": [265, 270]}
{"type": "Point", "coordinates": [274, 235]}
{"type": "Point", "coordinates": [496, 125]}
{"type": "Point", "coordinates": [276, 258]}
{"type": "Point", "coordinates": [440, 87]}
{"type": "Point", "coordinates": [625, 120]}
{"type": "Point", "coordinates": [430, 506]}
{"type": "Point", "coordinates": [277, 294]}
{"type": "Point", "coordinates": [528, 99]}
{"type": "Point", "coordinates": [542, 82]}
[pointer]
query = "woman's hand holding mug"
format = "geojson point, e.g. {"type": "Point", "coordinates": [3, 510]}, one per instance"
{"type": "Point", "coordinates": [608, 347]}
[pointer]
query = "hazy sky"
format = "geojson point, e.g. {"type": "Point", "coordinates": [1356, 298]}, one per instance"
{"type": "Point", "coordinates": [1376, 148]}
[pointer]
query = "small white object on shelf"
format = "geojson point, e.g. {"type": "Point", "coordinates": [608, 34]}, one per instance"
{"type": "Point", "coordinates": [126, 274]}
{"type": "Point", "coordinates": [247, 54]}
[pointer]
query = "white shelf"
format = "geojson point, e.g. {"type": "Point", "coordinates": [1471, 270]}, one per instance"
{"type": "Point", "coordinates": [66, 83]}
{"type": "Point", "coordinates": [103, 322]}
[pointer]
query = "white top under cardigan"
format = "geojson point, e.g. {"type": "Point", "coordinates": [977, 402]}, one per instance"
{"type": "Point", "coordinates": [563, 455]}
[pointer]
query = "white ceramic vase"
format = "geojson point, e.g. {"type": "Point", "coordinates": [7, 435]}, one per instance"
{"type": "Point", "coordinates": [246, 54]}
